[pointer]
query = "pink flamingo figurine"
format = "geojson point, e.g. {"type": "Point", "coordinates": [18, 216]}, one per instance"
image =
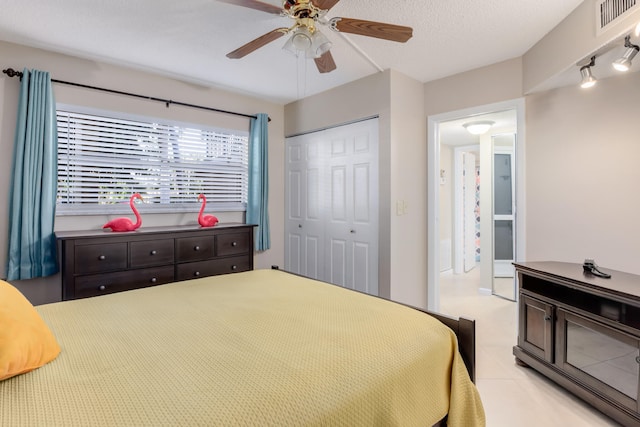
{"type": "Point", "coordinates": [125, 224]}
{"type": "Point", "coordinates": [205, 220]}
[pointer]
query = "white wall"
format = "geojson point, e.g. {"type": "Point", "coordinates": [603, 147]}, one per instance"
{"type": "Point", "coordinates": [363, 98]}
{"type": "Point", "coordinates": [581, 162]}
{"type": "Point", "coordinates": [487, 85]}
{"type": "Point", "coordinates": [408, 184]}
{"type": "Point", "coordinates": [398, 102]}
{"type": "Point", "coordinates": [67, 68]}
{"type": "Point", "coordinates": [581, 146]}
{"type": "Point", "coordinates": [583, 152]}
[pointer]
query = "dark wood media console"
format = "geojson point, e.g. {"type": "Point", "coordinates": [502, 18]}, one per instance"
{"type": "Point", "coordinates": [583, 332]}
{"type": "Point", "coordinates": [99, 262]}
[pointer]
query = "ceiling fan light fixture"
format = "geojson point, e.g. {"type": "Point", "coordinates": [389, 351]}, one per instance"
{"type": "Point", "coordinates": [304, 36]}
{"type": "Point", "coordinates": [320, 45]}
{"type": "Point", "coordinates": [300, 41]}
{"type": "Point", "coordinates": [478, 127]}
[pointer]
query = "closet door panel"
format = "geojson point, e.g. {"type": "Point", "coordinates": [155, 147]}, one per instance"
{"type": "Point", "coordinates": [293, 263]}
{"type": "Point", "coordinates": [313, 228]}
{"type": "Point", "coordinates": [361, 268]}
{"type": "Point", "coordinates": [338, 262]}
{"type": "Point", "coordinates": [312, 255]}
{"type": "Point", "coordinates": [293, 209]}
{"type": "Point", "coordinates": [362, 193]}
{"type": "Point", "coordinates": [338, 194]}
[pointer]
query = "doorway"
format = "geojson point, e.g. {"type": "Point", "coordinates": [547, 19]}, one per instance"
{"type": "Point", "coordinates": [454, 238]}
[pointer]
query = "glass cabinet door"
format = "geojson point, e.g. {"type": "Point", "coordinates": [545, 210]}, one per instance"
{"type": "Point", "coordinates": [605, 359]}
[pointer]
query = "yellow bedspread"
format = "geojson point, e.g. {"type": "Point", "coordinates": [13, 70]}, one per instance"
{"type": "Point", "coordinates": [257, 348]}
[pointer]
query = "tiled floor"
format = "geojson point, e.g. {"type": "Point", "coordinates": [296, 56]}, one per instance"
{"type": "Point", "coordinates": [512, 395]}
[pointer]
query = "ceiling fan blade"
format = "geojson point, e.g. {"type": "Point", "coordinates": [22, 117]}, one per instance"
{"type": "Point", "coordinates": [254, 4]}
{"type": "Point", "coordinates": [396, 33]}
{"type": "Point", "coordinates": [325, 63]}
{"type": "Point", "coordinates": [264, 39]}
{"type": "Point", "coordinates": [324, 4]}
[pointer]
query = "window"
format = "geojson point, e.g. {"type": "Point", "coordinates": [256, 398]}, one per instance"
{"type": "Point", "coordinates": [102, 161]}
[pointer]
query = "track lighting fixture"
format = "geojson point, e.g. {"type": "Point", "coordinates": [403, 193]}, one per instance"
{"type": "Point", "coordinates": [624, 63]}
{"type": "Point", "coordinates": [478, 128]}
{"type": "Point", "coordinates": [587, 77]}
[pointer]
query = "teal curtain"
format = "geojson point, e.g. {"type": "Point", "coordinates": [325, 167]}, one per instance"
{"type": "Point", "coordinates": [258, 197]}
{"type": "Point", "coordinates": [32, 195]}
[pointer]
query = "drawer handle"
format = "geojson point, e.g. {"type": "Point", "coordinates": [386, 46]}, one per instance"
{"type": "Point", "coordinates": [197, 273]}
{"type": "Point", "coordinates": [102, 287]}
{"type": "Point", "coordinates": [154, 252]}
{"type": "Point", "coordinates": [547, 318]}
{"type": "Point", "coordinates": [234, 267]}
{"type": "Point", "coordinates": [196, 248]}
{"type": "Point", "coordinates": [102, 257]}
{"type": "Point", "coordinates": [234, 243]}
{"type": "Point", "coordinates": [154, 280]}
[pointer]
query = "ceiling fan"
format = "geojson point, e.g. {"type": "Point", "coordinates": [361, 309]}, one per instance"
{"type": "Point", "coordinates": [305, 34]}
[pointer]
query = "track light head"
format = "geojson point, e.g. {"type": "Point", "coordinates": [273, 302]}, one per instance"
{"type": "Point", "coordinates": [588, 80]}
{"type": "Point", "coordinates": [624, 63]}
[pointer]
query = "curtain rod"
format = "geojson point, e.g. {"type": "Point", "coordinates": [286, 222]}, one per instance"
{"type": "Point", "coordinates": [13, 73]}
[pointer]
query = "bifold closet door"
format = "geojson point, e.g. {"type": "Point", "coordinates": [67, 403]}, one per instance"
{"type": "Point", "coordinates": [304, 222]}
{"type": "Point", "coordinates": [332, 205]}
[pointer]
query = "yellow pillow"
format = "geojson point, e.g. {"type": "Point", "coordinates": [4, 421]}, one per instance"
{"type": "Point", "coordinates": [26, 343]}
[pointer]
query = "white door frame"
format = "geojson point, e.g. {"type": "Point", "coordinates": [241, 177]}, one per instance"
{"type": "Point", "coordinates": [458, 225]}
{"type": "Point", "coordinates": [433, 190]}
{"type": "Point", "coordinates": [504, 268]}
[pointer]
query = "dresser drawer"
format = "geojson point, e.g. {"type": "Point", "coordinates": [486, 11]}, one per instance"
{"type": "Point", "coordinates": [151, 252]}
{"type": "Point", "coordinates": [194, 248]}
{"type": "Point", "coordinates": [193, 270]}
{"type": "Point", "coordinates": [233, 243]}
{"type": "Point", "coordinates": [99, 284]}
{"type": "Point", "coordinates": [100, 257]}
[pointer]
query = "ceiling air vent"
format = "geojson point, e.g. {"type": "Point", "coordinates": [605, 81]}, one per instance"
{"type": "Point", "coordinates": [610, 11]}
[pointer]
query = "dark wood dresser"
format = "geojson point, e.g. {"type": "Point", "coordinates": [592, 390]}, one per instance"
{"type": "Point", "coordinates": [583, 332]}
{"type": "Point", "coordinates": [99, 262]}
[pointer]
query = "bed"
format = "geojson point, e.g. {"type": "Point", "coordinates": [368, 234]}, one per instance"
{"type": "Point", "coordinates": [261, 347]}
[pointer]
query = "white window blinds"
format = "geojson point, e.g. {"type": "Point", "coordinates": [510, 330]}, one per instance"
{"type": "Point", "coordinates": [103, 160]}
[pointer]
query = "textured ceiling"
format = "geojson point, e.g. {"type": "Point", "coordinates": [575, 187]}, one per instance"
{"type": "Point", "coordinates": [188, 39]}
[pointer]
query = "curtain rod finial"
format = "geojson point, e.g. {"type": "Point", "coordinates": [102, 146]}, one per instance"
{"type": "Point", "coordinates": [12, 73]}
